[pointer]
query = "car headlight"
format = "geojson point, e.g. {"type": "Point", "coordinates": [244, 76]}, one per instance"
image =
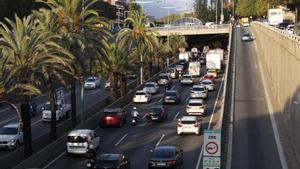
{"type": "Point", "coordinates": [12, 142]}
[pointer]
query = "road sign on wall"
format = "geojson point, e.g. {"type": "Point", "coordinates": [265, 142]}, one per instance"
{"type": "Point", "coordinates": [212, 143]}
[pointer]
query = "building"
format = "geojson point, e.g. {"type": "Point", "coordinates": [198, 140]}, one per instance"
{"type": "Point", "coordinates": [121, 11]}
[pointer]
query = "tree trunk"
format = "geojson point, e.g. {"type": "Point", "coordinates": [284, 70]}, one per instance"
{"type": "Point", "coordinates": [123, 89]}
{"type": "Point", "coordinates": [150, 69]}
{"type": "Point", "coordinates": [26, 128]}
{"type": "Point", "coordinates": [113, 87]}
{"type": "Point", "coordinates": [73, 104]}
{"type": "Point", "coordinates": [52, 100]}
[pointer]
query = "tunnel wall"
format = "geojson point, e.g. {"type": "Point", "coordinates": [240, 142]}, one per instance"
{"type": "Point", "coordinates": [279, 54]}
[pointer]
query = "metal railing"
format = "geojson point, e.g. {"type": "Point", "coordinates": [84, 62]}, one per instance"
{"type": "Point", "coordinates": [180, 27]}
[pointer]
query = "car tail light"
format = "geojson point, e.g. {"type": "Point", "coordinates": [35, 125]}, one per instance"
{"type": "Point", "coordinates": [179, 124]}
{"type": "Point", "coordinates": [196, 125]}
{"type": "Point", "coordinates": [172, 162]}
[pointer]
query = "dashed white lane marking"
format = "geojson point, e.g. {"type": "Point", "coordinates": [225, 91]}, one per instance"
{"type": "Point", "coordinates": [144, 116]}
{"type": "Point", "coordinates": [51, 162]}
{"type": "Point", "coordinates": [176, 115]}
{"type": "Point", "coordinates": [187, 99]}
{"type": "Point", "coordinates": [121, 140]}
{"type": "Point", "coordinates": [159, 141]}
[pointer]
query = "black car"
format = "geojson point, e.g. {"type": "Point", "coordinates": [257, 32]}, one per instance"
{"type": "Point", "coordinates": [166, 157]}
{"type": "Point", "coordinates": [157, 113]}
{"type": "Point", "coordinates": [171, 96]}
{"type": "Point", "coordinates": [112, 161]}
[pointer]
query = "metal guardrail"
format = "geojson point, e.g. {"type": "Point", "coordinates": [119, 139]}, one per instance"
{"type": "Point", "coordinates": [291, 36]}
{"type": "Point", "coordinates": [191, 27]}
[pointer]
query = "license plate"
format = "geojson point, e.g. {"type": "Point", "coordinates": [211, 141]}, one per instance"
{"type": "Point", "coordinates": [154, 118]}
{"type": "Point", "coordinates": [160, 164]}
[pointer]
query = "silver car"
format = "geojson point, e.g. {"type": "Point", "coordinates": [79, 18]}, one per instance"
{"type": "Point", "coordinates": [199, 91]}
{"type": "Point", "coordinates": [187, 80]}
{"type": "Point", "coordinates": [208, 84]}
{"type": "Point", "coordinates": [11, 136]}
{"type": "Point", "coordinates": [151, 87]}
{"type": "Point", "coordinates": [92, 83]}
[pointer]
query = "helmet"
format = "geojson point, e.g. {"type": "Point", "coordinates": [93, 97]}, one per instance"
{"type": "Point", "coordinates": [134, 108]}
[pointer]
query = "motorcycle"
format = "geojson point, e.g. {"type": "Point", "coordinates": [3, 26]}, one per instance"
{"type": "Point", "coordinates": [32, 110]}
{"type": "Point", "coordinates": [134, 121]}
{"type": "Point", "coordinates": [92, 156]}
{"type": "Point", "coordinates": [90, 163]}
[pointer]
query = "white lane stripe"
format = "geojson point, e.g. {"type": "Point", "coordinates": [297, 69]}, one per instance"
{"type": "Point", "coordinates": [159, 141]}
{"type": "Point", "coordinates": [273, 122]}
{"type": "Point", "coordinates": [176, 115]}
{"type": "Point", "coordinates": [7, 108]}
{"type": "Point", "coordinates": [173, 87]}
{"type": "Point", "coordinates": [36, 122]}
{"type": "Point", "coordinates": [160, 100]}
{"type": "Point", "coordinates": [121, 140]}
{"type": "Point", "coordinates": [51, 162]}
{"type": "Point", "coordinates": [7, 120]}
{"type": "Point", "coordinates": [144, 116]}
{"type": "Point", "coordinates": [186, 100]}
{"type": "Point", "coordinates": [210, 121]}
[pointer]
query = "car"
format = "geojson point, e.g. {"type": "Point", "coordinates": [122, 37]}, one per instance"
{"type": "Point", "coordinates": [151, 87]}
{"type": "Point", "coordinates": [246, 36]}
{"type": "Point", "coordinates": [173, 73]}
{"type": "Point", "coordinates": [171, 96]}
{"type": "Point", "coordinates": [164, 79]}
{"type": "Point", "coordinates": [195, 107]}
{"type": "Point", "coordinates": [157, 113]}
{"type": "Point", "coordinates": [186, 80]}
{"type": "Point", "coordinates": [142, 96]}
{"type": "Point", "coordinates": [107, 84]}
{"type": "Point", "coordinates": [199, 92]}
{"type": "Point", "coordinates": [179, 68]}
{"type": "Point", "coordinates": [212, 72]}
{"type": "Point", "coordinates": [11, 136]}
{"type": "Point", "coordinates": [92, 83]}
{"type": "Point", "coordinates": [183, 62]}
{"type": "Point", "coordinates": [208, 77]}
{"type": "Point", "coordinates": [79, 141]}
{"type": "Point", "coordinates": [166, 157]}
{"type": "Point", "coordinates": [188, 124]}
{"type": "Point", "coordinates": [209, 84]}
{"type": "Point", "coordinates": [113, 117]}
{"type": "Point", "coordinates": [112, 161]}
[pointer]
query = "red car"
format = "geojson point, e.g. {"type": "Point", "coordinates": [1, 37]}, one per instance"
{"type": "Point", "coordinates": [210, 77]}
{"type": "Point", "coordinates": [113, 117]}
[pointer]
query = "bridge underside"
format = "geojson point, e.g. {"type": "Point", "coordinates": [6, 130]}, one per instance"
{"type": "Point", "coordinates": [193, 31]}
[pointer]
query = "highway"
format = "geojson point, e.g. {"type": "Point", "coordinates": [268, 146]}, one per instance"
{"type": "Point", "coordinates": [254, 145]}
{"type": "Point", "coordinates": [39, 128]}
{"type": "Point", "coordinates": [137, 141]}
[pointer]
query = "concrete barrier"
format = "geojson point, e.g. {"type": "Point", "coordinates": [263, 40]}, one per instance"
{"type": "Point", "coordinates": [54, 149]}
{"type": "Point", "coordinates": [279, 54]}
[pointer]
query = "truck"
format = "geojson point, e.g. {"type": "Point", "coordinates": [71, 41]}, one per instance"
{"type": "Point", "coordinates": [275, 16]}
{"type": "Point", "coordinates": [245, 21]}
{"type": "Point", "coordinates": [194, 68]}
{"type": "Point", "coordinates": [213, 60]}
{"type": "Point", "coordinates": [221, 52]}
{"type": "Point", "coordinates": [184, 56]}
{"type": "Point", "coordinates": [61, 108]}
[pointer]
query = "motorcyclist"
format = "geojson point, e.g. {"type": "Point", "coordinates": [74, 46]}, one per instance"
{"type": "Point", "coordinates": [134, 113]}
{"type": "Point", "coordinates": [91, 157]}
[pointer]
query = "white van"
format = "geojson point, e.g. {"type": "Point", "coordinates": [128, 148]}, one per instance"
{"type": "Point", "coordinates": [79, 141]}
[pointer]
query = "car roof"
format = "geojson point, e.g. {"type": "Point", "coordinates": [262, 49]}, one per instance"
{"type": "Point", "coordinates": [77, 132]}
{"type": "Point", "coordinates": [186, 75]}
{"type": "Point", "coordinates": [207, 80]}
{"type": "Point", "coordinates": [171, 91]}
{"type": "Point", "coordinates": [189, 118]}
{"type": "Point", "coordinates": [140, 91]}
{"type": "Point", "coordinates": [164, 148]}
{"type": "Point", "coordinates": [198, 86]}
{"type": "Point", "coordinates": [13, 125]}
{"type": "Point", "coordinates": [110, 157]}
{"type": "Point", "coordinates": [150, 83]}
{"type": "Point", "coordinates": [196, 101]}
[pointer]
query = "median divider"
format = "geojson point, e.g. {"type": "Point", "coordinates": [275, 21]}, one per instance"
{"type": "Point", "coordinates": [57, 148]}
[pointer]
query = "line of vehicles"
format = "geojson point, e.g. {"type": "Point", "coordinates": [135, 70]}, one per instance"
{"type": "Point", "coordinates": [187, 72]}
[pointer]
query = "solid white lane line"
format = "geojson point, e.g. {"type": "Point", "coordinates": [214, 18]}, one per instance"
{"type": "Point", "coordinates": [273, 121]}
{"type": "Point", "coordinates": [121, 140]}
{"type": "Point", "coordinates": [7, 120]}
{"type": "Point", "coordinates": [53, 161]}
{"type": "Point", "coordinates": [36, 122]}
{"type": "Point", "coordinates": [159, 141]}
{"type": "Point", "coordinates": [199, 159]}
{"type": "Point", "coordinates": [176, 115]}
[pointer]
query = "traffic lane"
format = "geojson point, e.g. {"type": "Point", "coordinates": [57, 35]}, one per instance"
{"type": "Point", "coordinates": [253, 138]}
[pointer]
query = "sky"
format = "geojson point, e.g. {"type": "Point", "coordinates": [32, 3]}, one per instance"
{"type": "Point", "coordinates": [154, 8]}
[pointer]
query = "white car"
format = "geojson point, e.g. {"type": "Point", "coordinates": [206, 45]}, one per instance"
{"type": "Point", "coordinates": [187, 80]}
{"type": "Point", "coordinates": [11, 136]}
{"type": "Point", "coordinates": [195, 107]}
{"type": "Point", "coordinates": [151, 87]}
{"type": "Point", "coordinates": [92, 83]}
{"type": "Point", "coordinates": [164, 79]}
{"type": "Point", "coordinates": [209, 84]}
{"type": "Point", "coordinates": [79, 141]}
{"type": "Point", "coordinates": [199, 92]}
{"type": "Point", "coordinates": [141, 96]}
{"type": "Point", "coordinates": [188, 124]}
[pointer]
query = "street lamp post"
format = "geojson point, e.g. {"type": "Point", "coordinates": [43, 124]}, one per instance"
{"type": "Point", "coordinates": [82, 83]}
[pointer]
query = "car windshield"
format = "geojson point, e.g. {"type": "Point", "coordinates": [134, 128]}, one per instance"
{"type": "Point", "coordinates": [156, 110]}
{"type": "Point", "coordinates": [149, 85]}
{"type": "Point", "coordinates": [163, 77]}
{"type": "Point", "coordinates": [48, 107]}
{"type": "Point", "coordinates": [170, 94]}
{"type": "Point", "coordinates": [198, 89]}
{"type": "Point", "coordinates": [246, 34]}
{"type": "Point", "coordinates": [195, 104]}
{"type": "Point", "coordinates": [186, 76]}
{"type": "Point", "coordinates": [206, 82]}
{"type": "Point", "coordinates": [90, 80]}
{"type": "Point", "coordinates": [140, 93]}
{"type": "Point", "coordinates": [8, 131]}
{"type": "Point", "coordinates": [163, 153]}
{"type": "Point", "coordinates": [188, 122]}
{"type": "Point", "coordinates": [76, 139]}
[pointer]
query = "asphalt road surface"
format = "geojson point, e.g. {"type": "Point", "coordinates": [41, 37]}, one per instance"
{"type": "Point", "coordinates": [137, 141]}
{"type": "Point", "coordinates": [254, 144]}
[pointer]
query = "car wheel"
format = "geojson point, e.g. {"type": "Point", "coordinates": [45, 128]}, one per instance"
{"type": "Point", "coordinates": [17, 144]}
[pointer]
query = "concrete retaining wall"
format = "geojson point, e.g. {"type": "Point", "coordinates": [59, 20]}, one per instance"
{"type": "Point", "coordinates": [279, 53]}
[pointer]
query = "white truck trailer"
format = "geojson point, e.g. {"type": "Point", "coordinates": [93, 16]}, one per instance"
{"type": "Point", "coordinates": [194, 68]}
{"type": "Point", "coordinates": [275, 16]}
{"type": "Point", "coordinates": [213, 60]}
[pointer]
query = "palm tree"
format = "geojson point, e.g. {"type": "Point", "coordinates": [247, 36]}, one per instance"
{"type": "Point", "coordinates": [81, 28]}
{"type": "Point", "coordinates": [176, 42]}
{"type": "Point", "coordinates": [116, 64]}
{"type": "Point", "coordinates": [137, 36]}
{"type": "Point", "coordinates": [30, 57]}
